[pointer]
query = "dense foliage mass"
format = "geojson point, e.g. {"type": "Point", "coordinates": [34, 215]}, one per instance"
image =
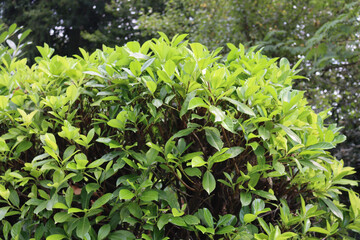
{"type": "Point", "coordinates": [166, 140]}
{"type": "Point", "coordinates": [326, 33]}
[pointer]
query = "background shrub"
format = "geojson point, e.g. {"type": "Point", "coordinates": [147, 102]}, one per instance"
{"type": "Point", "coordinates": [167, 140]}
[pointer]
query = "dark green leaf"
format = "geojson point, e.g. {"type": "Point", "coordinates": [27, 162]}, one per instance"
{"type": "Point", "coordinates": [191, 220]}
{"type": "Point", "coordinates": [208, 218]}
{"type": "Point", "coordinates": [104, 231]}
{"type": "Point", "coordinates": [102, 200]}
{"type": "Point", "coordinates": [163, 220]}
{"type": "Point", "coordinates": [83, 227]}
{"type": "Point", "coordinates": [149, 195]}
{"type": "Point", "coordinates": [121, 235]}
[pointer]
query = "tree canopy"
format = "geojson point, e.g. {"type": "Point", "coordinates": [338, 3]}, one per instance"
{"type": "Point", "coordinates": [67, 25]}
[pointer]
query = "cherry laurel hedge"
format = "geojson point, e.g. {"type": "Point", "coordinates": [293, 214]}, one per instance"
{"type": "Point", "coordinates": [166, 140]}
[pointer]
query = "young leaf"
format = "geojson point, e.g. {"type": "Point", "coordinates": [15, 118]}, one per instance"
{"type": "Point", "coordinates": [126, 194]}
{"type": "Point", "coordinates": [248, 218]}
{"type": "Point", "coordinates": [290, 133]}
{"type": "Point", "coordinates": [218, 113]}
{"type": "Point", "coordinates": [335, 210]}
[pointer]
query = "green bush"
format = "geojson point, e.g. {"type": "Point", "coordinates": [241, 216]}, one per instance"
{"type": "Point", "coordinates": [166, 140]}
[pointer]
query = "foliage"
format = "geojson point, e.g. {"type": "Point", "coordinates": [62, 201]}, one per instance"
{"type": "Point", "coordinates": [326, 33]}
{"type": "Point", "coordinates": [12, 43]}
{"type": "Point", "coordinates": [167, 140]}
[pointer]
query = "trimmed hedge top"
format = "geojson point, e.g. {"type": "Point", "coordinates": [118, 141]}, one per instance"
{"type": "Point", "coordinates": [166, 140]}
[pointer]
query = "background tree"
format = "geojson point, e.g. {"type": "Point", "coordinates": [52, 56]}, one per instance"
{"type": "Point", "coordinates": [67, 25]}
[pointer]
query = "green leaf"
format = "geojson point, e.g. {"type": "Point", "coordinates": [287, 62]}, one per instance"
{"type": "Point", "coordinates": [208, 182]}
{"type": "Point", "coordinates": [213, 137]}
{"type": "Point", "coordinates": [335, 210]}
{"type": "Point", "coordinates": [135, 210]}
{"type": "Point", "coordinates": [245, 198]}
{"type": "Point", "coordinates": [3, 212]}
{"type": "Point", "coordinates": [178, 221]}
{"type": "Point", "coordinates": [290, 133]}
{"type": "Point", "coordinates": [56, 237]}
{"type": "Point", "coordinates": [50, 141]}
{"type": "Point", "coordinates": [287, 235]}
{"type": "Point", "coordinates": [185, 106]}
{"type": "Point", "coordinates": [126, 194]}
{"type": "Point", "coordinates": [152, 86]}
{"type": "Point", "coordinates": [102, 200]}
{"type": "Point", "coordinates": [3, 146]}
{"type": "Point", "coordinates": [241, 107]}
{"type": "Point", "coordinates": [248, 218]}
{"type": "Point", "coordinates": [104, 231]}
{"type": "Point", "coordinates": [279, 168]}
{"type": "Point", "coordinates": [265, 194]}
{"type": "Point", "coordinates": [169, 67]}
{"type": "Point", "coordinates": [69, 196]}
{"type": "Point", "coordinates": [116, 123]}
{"type": "Point", "coordinates": [321, 145]}
{"type": "Point", "coordinates": [163, 220]}
{"type": "Point", "coordinates": [201, 228]}
{"type": "Point", "coordinates": [147, 64]}
{"type": "Point", "coordinates": [96, 163]}
{"type": "Point", "coordinates": [177, 213]}
{"type": "Point", "coordinates": [218, 113]}
{"type": "Point", "coordinates": [149, 195]}
{"type": "Point", "coordinates": [319, 230]}
{"type": "Point", "coordinates": [61, 217]}
{"type": "Point", "coordinates": [197, 162]}
{"type": "Point", "coordinates": [257, 206]}
{"type": "Point", "coordinates": [209, 220]}
{"type": "Point", "coordinates": [191, 220]}
{"type": "Point", "coordinates": [183, 133]}
{"type": "Point", "coordinates": [83, 227]}
{"type": "Point", "coordinates": [235, 151]}
{"type": "Point", "coordinates": [197, 102]}
{"type": "Point", "coordinates": [4, 101]}
{"type": "Point", "coordinates": [121, 235]}
{"type": "Point", "coordinates": [225, 230]}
